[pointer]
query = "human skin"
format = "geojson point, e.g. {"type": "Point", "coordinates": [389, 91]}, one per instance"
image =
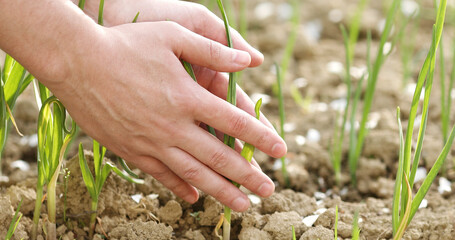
{"type": "Point", "coordinates": [125, 86]}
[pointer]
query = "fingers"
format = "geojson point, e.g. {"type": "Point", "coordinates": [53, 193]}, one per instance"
{"type": "Point", "coordinates": [171, 181]}
{"type": "Point", "coordinates": [217, 84]}
{"type": "Point", "coordinates": [202, 51]}
{"type": "Point", "coordinates": [199, 175]}
{"type": "Point", "coordinates": [201, 21]}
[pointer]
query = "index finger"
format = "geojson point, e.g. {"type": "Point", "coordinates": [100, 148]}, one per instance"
{"type": "Point", "coordinates": [237, 123]}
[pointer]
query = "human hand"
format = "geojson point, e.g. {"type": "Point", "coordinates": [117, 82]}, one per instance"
{"type": "Point", "coordinates": [131, 93]}
{"type": "Point", "coordinates": [192, 16]}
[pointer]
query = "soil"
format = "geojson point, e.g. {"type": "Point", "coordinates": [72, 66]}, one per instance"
{"type": "Point", "coordinates": [150, 211]}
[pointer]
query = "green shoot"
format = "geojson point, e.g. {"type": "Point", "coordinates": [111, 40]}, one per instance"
{"type": "Point", "coordinates": [354, 27]}
{"type": "Point", "coordinates": [66, 175]}
{"type": "Point", "coordinates": [355, 226]}
{"type": "Point", "coordinates": [243, 19]}
{"type": "Point", "coordinates": [371, 85]}
{"type": "Point", "coordinates": [94, 183]}
{"type": "Point", "coordinates": [290, 45]}
{"type": "Point", "coordinates": [279, 78]}
{"type": "Point", "coordinates": [14, 80]}
{"type": "Point", "coordinates": [135, 17]}
{"type": "Point", "coordinates": [81, 4]}
{"type": "Point", "coordinates": [406, 175]}
{"type": "Point", "coordinates": [337, 148]}
{"type": "Point", "coordinates": [247, 153]}
{"type": "Point", "coordinates": [100, 13]}
{"type": "Point", "coordinates": [293, 233]}
{"type": "Point", "coordinates": [336, 223]}
{"type": "Point", "coordinates": [53, 139]}
{"type": "Point", "coordinates": [14, 222]}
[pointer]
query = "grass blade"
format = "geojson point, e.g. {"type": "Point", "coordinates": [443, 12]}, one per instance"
{"type": "Point", "coordinates": [87, 175]}
{"type": "Point", "coordinates": [398, 180]}
{"type": "Point", "coordinates": [279, 78]}
{"type": "Point", "coordinates": [14, 222]}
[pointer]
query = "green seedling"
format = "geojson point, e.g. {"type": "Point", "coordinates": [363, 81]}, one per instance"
{"type": "Point", "coordinates": [14, 222]}
{"type": "Point", "coordinates": [371, 85]}
{"type": "Point", "coordinates": [355, 227]}
{"type": "Point", "coordinates": [95, 182]}
{"type": "Point", "coordinates": [284, 171]}
{"type": "Point", "coordinates": [293, 233]}
{"type": "Point", "coordinates": [247, 153]}
{"type": "Point", "coordinates": [53, 139]}
{"type": "Point", "coordinates": [14, 80]}
{"type": "Point", "coordinates": [336, 223]}
{"type": "Point", "coordinates": [354, 27]}
{"type": "Point", "coordinates": [404, 206]}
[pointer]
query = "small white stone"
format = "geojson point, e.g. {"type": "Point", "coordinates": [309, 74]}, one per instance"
{"type": "Point", "coordinates": [319, 107]}
{"type": "Point", "coordinates": [137, 197]}
{"type": "Point", "coordinates": [254, 199]}
{"type": "Point", "coordinates": [385, 210]}
{"type": "Point", "coordinates": [344, 191]}
{"type": "Point", "coordinates": [338, 104]}
{"type": "Point", "coordinates": [336, 15]}
{"type": "Point", "coordinates": [387, 48]}
{"type": "Point", "coordinates": [4, 179]}
{"type": "Point", "coordinates": [277, 164]}
{"type": "Point", "coordinates": [373, 120]}
{"type": "Point", "coordinates": [285, 11]}
{"type": "Point", "coordinates": [21, 165]}
{"type": "Point", "coordinates": [358, 72]}
{"type": "Point", "coordinates": [319, 195]}
{"type": "Point", "coordinates": [289, 127]}
{"type": "Point", "coordinates": [444, 185]}
{"type": "Point", "coordinates": [313, 135]}
{"type": "Point", "coordinates": [256, 96]}
{"type": "Point", "coordinates": [310, 220]}
{"type": "Point", "coordinates": [409, 8]}
{"type": "Point", "coordinates": [423, 204]}
{"type": "Point", "coordinates": [335, 67]}
{"type": "Point", "coordinates": [300, 82]}
{"type": "Point", "coordinates": [421, 174]}
{"type": "Point", "coordinates": [300, 140]}
{"type": "Point", "coordinates": [313, 30]}
{"type": "Point", "coordinates": [31, 141]}
{"type": "Point", "coordinates": [319, 202]}
{"type": "Point", "coordinates": [320, 211]}
{"type": "Point", "coordinates": [264, 10]}
{"type": "Point", "coordinates": [360, 220]}
{"type": "Point", "coordinates": [153, 196]}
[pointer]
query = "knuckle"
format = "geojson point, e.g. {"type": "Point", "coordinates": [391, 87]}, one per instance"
{"type": "Point", "coordinates": [221, 194]}
{"type": "Point", "coordinates": [262, 138]}
{"type": "Point", "coordinates": [247, 179]}
{"type": "Point", "coordinates": [215, 51]}
{"type": "Point", "coordinates": [191, 173]}
{"type": "Point", "coordinates": [218, 160]}
{"type": "Point", "coordinates": [160, 174]}
{"type": "Point", "coordinates": [238, 124]}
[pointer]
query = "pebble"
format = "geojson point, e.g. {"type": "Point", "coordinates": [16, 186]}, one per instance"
{"type": "Point", "coordinates": [254, 199]}
{"type": "Point", "coordinates": [310, 220]}
{"type": "Point", "coordinates": [264, 10]}
{"type": "Point", "coordinates": [21, 165]}
{"type": "Point", "coordinates": [302, 82]}
{"type": "Point", "coordinates": [336, 15]}
{"type": "Point", "coordinates": [137, 197]}
{"type": "Point", "coordinates": [313, 30]}
{"type": "Point", "coordinates": [300, 140]}
{"type": "Point", "coordinates": [421, 174]}
{"type": "Point", "coordinates": [423, 204]}
{"type": "Point", "coordinates": [289, 127]}
{"type": "Point", "coordinates": [444, 185]}
{"type": "Point", "coordinates": [313, 135]}
{"type": "Point", "coordinates": [409, 8]}
{"type": "Point", "coordinates": [335, 67]}
{"type": "Point", "coordinates": [284, 11]}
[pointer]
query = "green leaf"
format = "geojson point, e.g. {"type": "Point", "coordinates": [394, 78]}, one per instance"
{"type": "Point", "coordinates": [13, 83]}
{"type": "Point", "coordinates": [125, 176]}
{"type": "Point", "coordinates": [126, 168]}
{"type": "Point", "coordinates": [14, 222]}
{"type": "Point", "coordinates": [398, 180]}
{"type": "Point", "coordinates": [136, 17]}
{"type": "Point", "coordinates": [87, 174]}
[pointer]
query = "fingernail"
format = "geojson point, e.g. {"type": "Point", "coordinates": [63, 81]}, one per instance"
{"type": "Point", "coordinates": [279, 149]}
{"type": "Point", "coordinates": [241, 204]}
{"type": "Point", "coordinates": [266, 189]}
{"type": "Point", "coordinates": [241, 58]}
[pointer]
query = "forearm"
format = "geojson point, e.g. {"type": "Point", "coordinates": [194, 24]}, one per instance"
{"type": "Point", "coordinates": [46, 36]}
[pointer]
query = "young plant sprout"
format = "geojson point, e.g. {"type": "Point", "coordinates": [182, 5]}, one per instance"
{"type": "Point", "coordinates": [95, 182]}
{"type": "Point", "coordinates": [355, 227]}
{"type": "Point", "coordinates": [14, 222]}
{"type": "Point", "coordinates": [355, 27]}
{"type": "Point", "coordinates": [14, 80]}
{"type": "Point", "coordinates": [371, 84]}
{"type": "Point", "coordinates": [53, 139]}
{"type": "Point", "coordinates": [279, 78]}
{"type": "Point", "coordinates": [336, 223]}
{"type": "Point", "coordinates": [293, 233]}
{"type": "Point", "coordinates": [404, 206]}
